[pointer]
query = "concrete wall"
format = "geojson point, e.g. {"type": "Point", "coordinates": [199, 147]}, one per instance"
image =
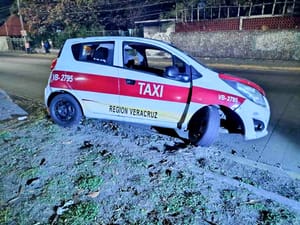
{"type": "Point", "coordinates": [270, 44]}
{"type": "Point", "coordinates": [159, 33]}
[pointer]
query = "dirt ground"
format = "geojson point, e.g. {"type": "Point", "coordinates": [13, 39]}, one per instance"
{"type": "Point", "coordinates": [103, 172]}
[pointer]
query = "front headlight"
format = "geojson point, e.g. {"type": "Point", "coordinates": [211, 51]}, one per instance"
{"type": "Point", "coordinates": [249, 92]}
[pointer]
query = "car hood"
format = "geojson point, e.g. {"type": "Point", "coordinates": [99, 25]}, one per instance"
{"type": "Point", "coordinates": [243, 81]}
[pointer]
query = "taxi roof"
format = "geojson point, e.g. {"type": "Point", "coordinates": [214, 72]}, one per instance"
{"type": "Point", "coordinates": [116, 38]}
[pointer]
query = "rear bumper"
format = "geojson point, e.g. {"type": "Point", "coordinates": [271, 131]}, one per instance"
{"type": "Point", "coordinates": [47, 93]}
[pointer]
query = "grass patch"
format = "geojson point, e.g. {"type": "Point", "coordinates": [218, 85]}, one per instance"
{"type": "Point", "coordinates": [79, 214]}
{"type": "Point", "coordinates": [89, 182]}
{"type": "Point", "coordinates": [4, 215]}
{"type": "Point", "coordinates": [269, 215]}
{"type": "Point", "coordinates": [57, 188]}
{"type": "Point", "coordinates": [4, 135]}
{"type": "Point", "coordinates": [278, 217]}
{"type": "Point", "coordinates": [29, 173]}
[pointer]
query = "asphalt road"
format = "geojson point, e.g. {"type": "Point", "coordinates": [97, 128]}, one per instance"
{"type": "Point", "coordinates": [27, 77]}
{"type": "Point", "coordinates": [24, 76]}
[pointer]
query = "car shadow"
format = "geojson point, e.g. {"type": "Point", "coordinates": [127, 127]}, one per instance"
{"type": "Point", "coordinates": [172, 133]}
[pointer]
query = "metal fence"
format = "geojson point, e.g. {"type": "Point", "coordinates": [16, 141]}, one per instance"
{"type": "Point", "coordinates": [15, 43]}
{"type": "Point", "coordinates": [201, 11]}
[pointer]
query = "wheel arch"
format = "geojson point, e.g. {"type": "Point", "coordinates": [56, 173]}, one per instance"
{"type": "Point", "coordinates": [196, 115]}
{"type": "Point", "coordinates": [231, 121]}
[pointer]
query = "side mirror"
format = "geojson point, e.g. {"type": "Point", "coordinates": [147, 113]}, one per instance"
{"type": "Point", "coordinates": [171, 71]}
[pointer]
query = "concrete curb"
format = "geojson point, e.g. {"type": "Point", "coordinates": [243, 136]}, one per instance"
{"type": "Point", "coordinates": [8, 108]}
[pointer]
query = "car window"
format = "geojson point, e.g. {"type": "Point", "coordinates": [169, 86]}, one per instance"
{"type": "Point", "coordinates": [95, 52]}
{"type": "Point", "coordinates": [151, 59]}
{"type": "Point", "coordinates": [132, 58]}
{"type": "Point", "coordinates": [158, 59]}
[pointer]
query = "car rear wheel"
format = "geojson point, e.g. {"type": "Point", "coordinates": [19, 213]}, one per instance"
{"type": "Point", "coordinates": [65, 110]}
{"type": "Point", "coordinates": [204, 127]}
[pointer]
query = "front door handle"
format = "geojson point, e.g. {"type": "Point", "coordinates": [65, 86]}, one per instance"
{"type": "Point", "coordinates": [130, 82]}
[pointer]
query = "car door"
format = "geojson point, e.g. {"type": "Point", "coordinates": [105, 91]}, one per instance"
{"type": "Point", "coordinates": [96, 78]}
{"type": "Point", "coordinates": [146, 92]}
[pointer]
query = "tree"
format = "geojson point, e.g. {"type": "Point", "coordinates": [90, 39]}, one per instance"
{"type": "Point", "coordinates": [49, 15]}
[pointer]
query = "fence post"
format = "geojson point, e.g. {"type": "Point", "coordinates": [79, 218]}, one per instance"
{"type": "Point", "coordinates": [241, 23]}
{"type": "Point", "coordinates": [250, 10]}
{"type": "Point", "coordinates": [293, 7]}
{"type": "Point", "coordinates": [239, 10]}
{"type": "Point", "coordinates": [273, 9]}
{"type": "Point", "coordinates": [284, 7]}
{"type": "Point", "coordinates": [228, 12]}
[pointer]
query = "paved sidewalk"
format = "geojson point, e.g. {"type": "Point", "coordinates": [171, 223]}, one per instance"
{"type": "Point", "coordinates": [8, 108]}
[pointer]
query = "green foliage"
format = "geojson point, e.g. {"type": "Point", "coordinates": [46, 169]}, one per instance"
{"type": "Point", "coordinates": [4, 135]}
{"type": "Point", "coordinates": [79, 214]}
{"type": "Point", "coordinates": [228, 195]}
{"type": "Point", "coordinates": [82, 18]}
{"type": "Point", "coordinates": [176, 201]}
{"type": "Point", "coordinates": [273, 216]}
{"type": "Point", "coordinates": [29, 173]}
{"type": "Point", "coordinates": [4, 215]}
{"type": "Point", "coordinates": [57, 188]}
{"type": "Point", "coordinates": [269, 217]}
{"type": "Point", "coordinates": [89, 182]}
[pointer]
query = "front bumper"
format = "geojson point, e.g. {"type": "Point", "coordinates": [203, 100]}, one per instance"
{"type": "Point", "coordinates": [255, 118]}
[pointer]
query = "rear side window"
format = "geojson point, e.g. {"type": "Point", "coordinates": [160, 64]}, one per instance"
{"type": "Point", "coordinates": [94, 52]}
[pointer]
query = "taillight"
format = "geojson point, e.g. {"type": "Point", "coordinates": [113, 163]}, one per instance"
{"type": "Point", "coordinates": [53, 64]}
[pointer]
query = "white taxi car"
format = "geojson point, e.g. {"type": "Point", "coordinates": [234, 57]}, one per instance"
{"type": "Point", "coordinates": [151, 82]}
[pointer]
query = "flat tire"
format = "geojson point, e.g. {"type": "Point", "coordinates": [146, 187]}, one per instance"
{"type": "Point", "coordinates": [204, 126]}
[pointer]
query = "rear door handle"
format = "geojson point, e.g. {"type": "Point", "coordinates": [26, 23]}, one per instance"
{"type": "Point", "coordinates": [130, 82]}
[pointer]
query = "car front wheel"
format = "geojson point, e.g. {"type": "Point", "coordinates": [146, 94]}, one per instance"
{"type": "Point", "coordinates": [65, 110]}
{"type": "Point", "coordinates": [204, 127]}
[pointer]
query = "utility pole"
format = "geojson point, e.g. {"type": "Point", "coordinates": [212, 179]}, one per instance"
{"type": "Point", "coordinates": [23, 31]}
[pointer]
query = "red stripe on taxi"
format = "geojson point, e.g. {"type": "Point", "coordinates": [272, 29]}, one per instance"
{"type": "Point", "coordinates": [156, 91]}
{"type": "Point", "coordinates": [140, 89]}
{"type": "Point", "coordinates": [84, 82]}
{"type": "Point", "coordinates": [208, 96]}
